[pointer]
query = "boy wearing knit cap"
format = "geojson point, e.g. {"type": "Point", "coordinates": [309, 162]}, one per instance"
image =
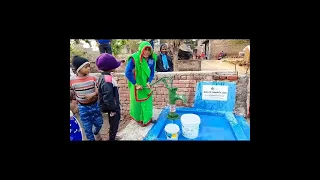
{"type": "Point", "coordinates": [108, 91]}
{"type": "Point", "coordinates": [86, 92]}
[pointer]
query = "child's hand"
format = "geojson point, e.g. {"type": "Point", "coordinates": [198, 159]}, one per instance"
{"type": "Point", "coordinates": [112, 114]}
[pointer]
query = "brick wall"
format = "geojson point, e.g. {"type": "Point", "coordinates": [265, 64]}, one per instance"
{"type": "Point", "coordinates": [186, 83]}
{"type": "Point", "coordinates": [94, 68]}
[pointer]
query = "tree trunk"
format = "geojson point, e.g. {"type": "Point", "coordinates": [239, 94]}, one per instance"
{"type": "Point", "coordinates": [175, 59]}
{"type": "Point", "coordinates": [174, 45]}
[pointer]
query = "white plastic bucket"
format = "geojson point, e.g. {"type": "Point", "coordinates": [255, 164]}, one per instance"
{"type": "Point", "coordinates": [172, 131]}
{"type": "Point", "coordinates": [190, 125]}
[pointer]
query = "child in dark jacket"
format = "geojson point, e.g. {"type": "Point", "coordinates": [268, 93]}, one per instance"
{"type": "Point", "coordinates": [108, 92]}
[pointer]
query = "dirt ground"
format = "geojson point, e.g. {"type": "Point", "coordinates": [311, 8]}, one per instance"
{"type": "Point", "coordinates": [105, 127]}
{"type": "Point", "coordinates": [212, 65]}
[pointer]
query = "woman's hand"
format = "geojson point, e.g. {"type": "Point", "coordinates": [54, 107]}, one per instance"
{"type": "Point", "coordinates": [138, 87]}
{"type": "Point", "coordinates": [148, 85]}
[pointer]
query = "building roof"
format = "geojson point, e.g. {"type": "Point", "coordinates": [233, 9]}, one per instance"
{"type": "Point", "coordinates": [205, 41]}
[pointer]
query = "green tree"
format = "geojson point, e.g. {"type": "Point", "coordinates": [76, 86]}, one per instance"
{"type": "Point", "coordinates": [116, 44]}
{"type": "Point", "coordinates": [191, 42]}
{"type": "Point", "coordinates": [76, 51]}
{"type": "Point", "coordinates": [133, 44]}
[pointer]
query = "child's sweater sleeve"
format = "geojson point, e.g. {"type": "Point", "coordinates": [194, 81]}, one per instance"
{"type": "Point", "coordinates": [107, 96]}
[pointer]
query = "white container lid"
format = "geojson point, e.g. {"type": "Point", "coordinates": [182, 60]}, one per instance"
{"type": "Point", "coordinates": [190, 119]}
{"type": "Point", "coordinates": [172, 128]}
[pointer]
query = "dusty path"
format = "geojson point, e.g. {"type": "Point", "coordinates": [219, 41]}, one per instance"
{"type": "Point", "coordinates": [213, 65]}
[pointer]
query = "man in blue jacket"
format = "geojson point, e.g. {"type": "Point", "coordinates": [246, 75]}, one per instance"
{"type": "Point", "coordinates": [104, 45]}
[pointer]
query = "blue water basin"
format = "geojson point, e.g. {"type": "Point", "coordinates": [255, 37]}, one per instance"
{"type": "Point", "coordinates": [213, 126]}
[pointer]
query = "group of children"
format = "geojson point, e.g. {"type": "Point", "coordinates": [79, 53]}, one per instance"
{"type": "Point", "coordinates": [96, 96]}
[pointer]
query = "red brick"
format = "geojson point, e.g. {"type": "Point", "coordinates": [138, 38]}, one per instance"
{"type": "Point", "coordinates": [223, 77]}
{"type": "Point", "coordinates": [160, 92]}
{"type": "Point", "coordinates": [183, 77]}
{"type": "Point", "coordinates": [179, 85]}
{"type": "Point", "coordinates": [209, 78]}
{"type": "Point", "coordinates": [176, 77]}
{"type": "Point", "coordinates": [184, 89]}
{"type": "Point", "coordinates": [123, 98]}
{"type": "Point", "coordinates": [164, 89]}
{"type": "Point", "coordinates": [123, 92]}
{"type": "Point", "coordinates": [232, 77]}
{"type": "Point", "coordinates": [190, 77]}
{"type": "Point", "coordinates": [158, 85]}
{"type": "Point", "coordinates": [176, 81]}
{"type": "Point", "coordinates": [193, 85]}
{"type": "Point", "coordinates": [190, 99]}
{"type": "Point", "coordinates": [184, 81]}
{"type": "Point", "coordinates": [197, 77]}
{"type": "Point", "coordinates": [216, 77]}
{"type": "Point", "coordinates": [166, 92]}
{"type": "Point", "coordinates": [190, 89]}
